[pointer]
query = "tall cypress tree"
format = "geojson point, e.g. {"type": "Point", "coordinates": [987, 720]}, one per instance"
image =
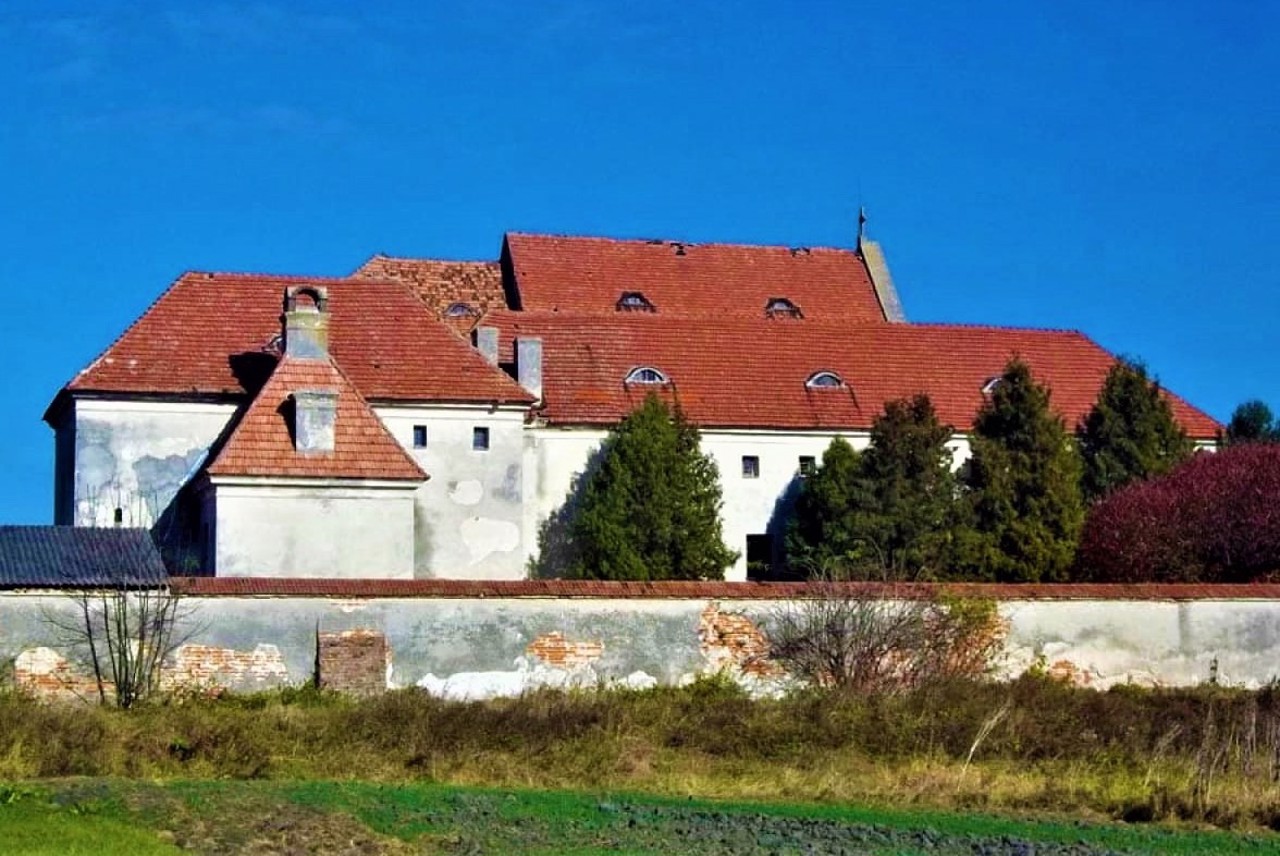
{"type": "Point", "coordinates": [907, 493]}
{"type": "Point", "coordinates": [1129, 434]}
{"type": "Point", "coordinates": [889, 512]}
{"type": "Point", "coordinates": [651, 509]}
{"type": "Point", "coordinates": [1024, 486]}
{"type": "Point", "coordinates": [820, 533]}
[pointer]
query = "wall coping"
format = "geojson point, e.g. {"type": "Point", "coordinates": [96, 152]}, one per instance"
{"type": "Point", "coordinates": [673, 590]}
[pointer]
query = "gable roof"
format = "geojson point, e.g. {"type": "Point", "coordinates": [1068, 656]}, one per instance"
{"type": "Point", "coordinates": [441, 284]}
{"type": "Point", "coordinates": [751, 373]}
{"type": "Point", "coordinates": [570, 274]}
{"type": "Point", "coordinates": [262, 443]}
{"type": "Point", "coordinates": [212, 333]}
{"type": "Point", "coordinates": [78, 557]}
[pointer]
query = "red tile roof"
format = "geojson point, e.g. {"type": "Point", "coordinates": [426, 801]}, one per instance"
{"type": "Point", "coordinates": [207, 333]}
{"type": "Point", "coordinates": [751, 373]}
{"type": "Point", "coordinates": [372, 588]}
{"type": "Point", "coordinates": [441, 284]}
{"type": "Point", "coordinates": [261, 444]}
{"type": "Point", "coordinates": [712, 280]}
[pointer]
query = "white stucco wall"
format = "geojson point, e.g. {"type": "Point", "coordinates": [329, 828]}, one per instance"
{"type": "Point", "coordinates": [555, 457]}
{"type": "Point", "coordinates": [134, 455]}
{"type": "Point", "coordinates": [470, 514]}
{"type": "Point", "coordinates": [299, 530]}
{"type": "Point", "coordinates": [470, 647]}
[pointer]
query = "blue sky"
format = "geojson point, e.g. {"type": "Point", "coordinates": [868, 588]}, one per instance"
{"type": "Point", "coordinates": [1111, 167]}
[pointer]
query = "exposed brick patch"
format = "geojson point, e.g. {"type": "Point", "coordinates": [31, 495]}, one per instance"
{"type": "Point", "coordinates": [210, 667]}
{"type": "Point", "coordinates": [1069, 673]}
{"type": "Point", "coordinates": [46, 673]}
{"type": "Point", "coordinates": [731, 640]}
{"type": "Point", "coordinates": [373, 587]}
{"type": "Point", "coordinates": [553, 649]}
{"type": "Point", "coordinates": [353, 661]}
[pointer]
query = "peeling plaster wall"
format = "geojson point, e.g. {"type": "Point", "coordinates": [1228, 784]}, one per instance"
{"type": "Point", "coordinates": [473, 648]}
{"type": "Point", "coordinates": [134, 455]}
{"type": "Point", "coordinates": [469, 520]}
{"type": "Point", "coordinates": [324, 531]}
{"type": "Point", "coordinates": [555, 457]}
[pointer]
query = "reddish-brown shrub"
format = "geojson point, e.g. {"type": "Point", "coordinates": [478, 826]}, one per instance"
{"type": "Point", "coordinates": [1214, 519]}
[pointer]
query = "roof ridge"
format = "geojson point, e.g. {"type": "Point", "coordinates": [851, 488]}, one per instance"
{"type": "Point", "coordinates": [605, 239]}
{"type": "Point", "coordinates": [388, 257]}
{"type": "Point", "coordinates": [258, 275]}
{"type": "Point", "coordinates": [965, 325]}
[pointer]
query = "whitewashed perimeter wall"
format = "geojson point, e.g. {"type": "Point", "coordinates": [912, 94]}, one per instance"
{"type": "Point", "coordinates": [555, 457]}
{"type": "Point", "coordinates": [479, 647]}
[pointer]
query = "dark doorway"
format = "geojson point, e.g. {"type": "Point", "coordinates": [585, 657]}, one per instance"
{"type": "Point", "coordinates": [759, 556]}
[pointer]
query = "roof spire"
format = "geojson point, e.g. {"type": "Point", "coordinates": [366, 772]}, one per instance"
{"type": "Point", "coordinates": [862, 226]}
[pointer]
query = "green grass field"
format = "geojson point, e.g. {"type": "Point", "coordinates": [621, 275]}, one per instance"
{"type": "Point", "coordinates": [109, 817]}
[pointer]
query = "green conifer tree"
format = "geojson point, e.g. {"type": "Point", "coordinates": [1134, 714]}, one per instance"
{"type": "Point", "coordinates": [1129, 434]}
{"type": "Point", "coordinates": [887, 513]}
{"type": "Point", "coordinates": [651, 509]}
{"type": "Point", "coordinates": [906, 510]}
{"type": "Point", "coordinates": [1024, 486]}
{"type": "Point", "coordinates": [1252, 422]}
{"type": "Point", "coordinates": [820, 533]}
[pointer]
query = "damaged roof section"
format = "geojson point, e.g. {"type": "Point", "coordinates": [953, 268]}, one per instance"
{"type": "Point", "coordinates": [442, 285]}
{"type": "Point", "coordinates": [78, 557]}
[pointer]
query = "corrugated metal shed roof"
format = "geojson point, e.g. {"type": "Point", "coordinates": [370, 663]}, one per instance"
{"type": "Point", "coordinates": [77, 557]}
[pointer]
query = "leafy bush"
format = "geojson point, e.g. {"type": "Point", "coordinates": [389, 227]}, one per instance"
{"type": "Point", "coordinates": [1215, 519]}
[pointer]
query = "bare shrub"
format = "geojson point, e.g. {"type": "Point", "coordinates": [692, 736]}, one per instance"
{"type": "Point", "coordinates": [124, 635]}
{"type": "Point", "coordinates": [883, 638]}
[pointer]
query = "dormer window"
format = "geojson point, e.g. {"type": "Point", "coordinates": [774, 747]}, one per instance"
{"type": "Point", "coordinates": [824, 380]}
{"type": "Point", "coordinates": [990, 384]}
{"type": "Point", "coordinates": [634, 301]}
{"type": "Point", "coordinates": [647, 375]}
{"type": "Point", "coordinates": [460, 310]}
{"type": "Point", "coordinates": [780, 307]}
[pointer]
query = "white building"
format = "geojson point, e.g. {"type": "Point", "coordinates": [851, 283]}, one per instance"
{"type": "Point", "coordinates": [423, 418]}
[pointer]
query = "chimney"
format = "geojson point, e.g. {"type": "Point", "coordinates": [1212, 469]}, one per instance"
{"type": "Point", "coordinates": [306, 322]}
{"type": "Point", "coordinates": [315, 412]}
{"type": "Point", "coordinates": [487, 344]}
{"type": "Point", "coordinates": [529, 365]}
{"type": "Point", "coordinates": [881, 281]}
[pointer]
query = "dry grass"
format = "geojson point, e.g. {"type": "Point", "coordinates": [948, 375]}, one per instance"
{"type": "Point", "coordinates": [1207, 754]}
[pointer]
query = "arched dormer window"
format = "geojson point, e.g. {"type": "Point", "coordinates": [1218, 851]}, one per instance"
{"type": "Point", "coordinates": [634, 301]}
{"type": "Point", "coordinates": [645, 374]}
{"type": "Point", "coordinates": [824, 380]}
{"type": "Point", "coordinates": [306, 298]}
{"type": "Point", "coordinates": [460, 310]}
{"type": "Point", "coordinates": [989, 385]}
{"type": "Point", "coordinates": [781, 307]}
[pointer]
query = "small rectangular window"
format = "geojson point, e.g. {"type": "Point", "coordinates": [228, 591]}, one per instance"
{"type": "Point", "coordinates": [750, 467]}
{"type": "Point", "coordinates": [419, 436]}
{"type": "Point", "coordinates": [480, 438]}
{"type": "Point", "coordinates": [807, 465]}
